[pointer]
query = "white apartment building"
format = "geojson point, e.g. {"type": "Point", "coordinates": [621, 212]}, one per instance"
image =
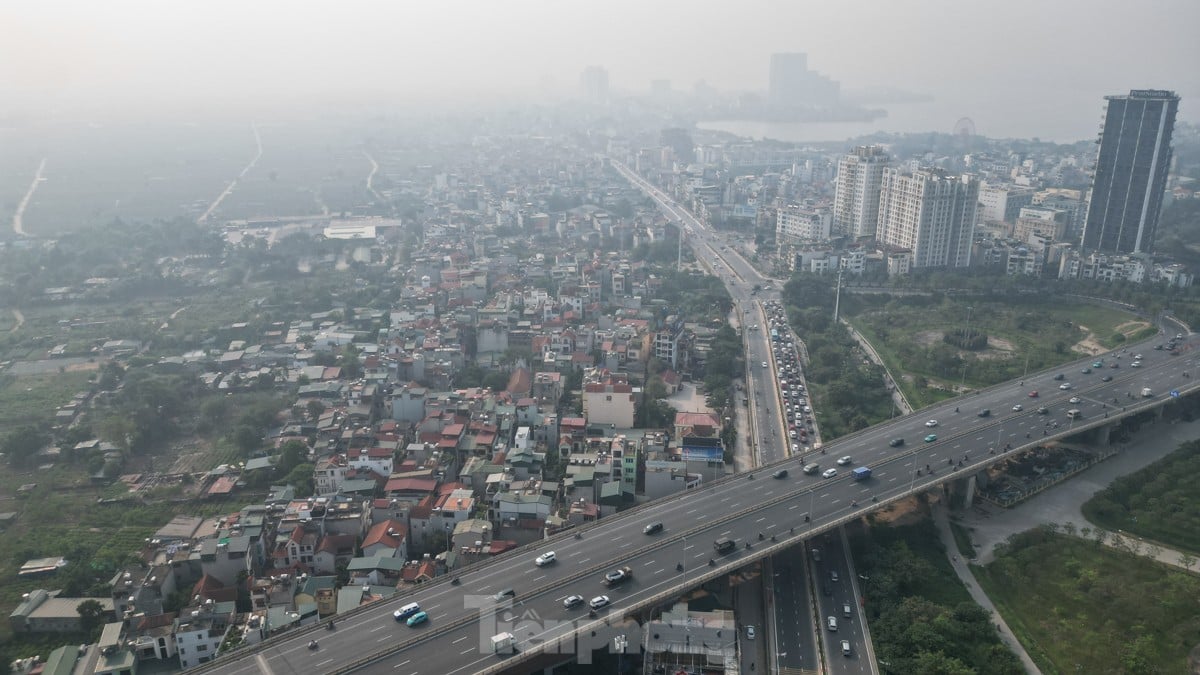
{"type": "Point", "coordinates": [856, 202]}
{"type": "Point", "coordinates": [1003, 202]}
{"type": "Point", "coordinates": [795, 223]}
{"type": "Point", "coordinates": [929, 213]}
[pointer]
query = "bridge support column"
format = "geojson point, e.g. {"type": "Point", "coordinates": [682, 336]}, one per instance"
{"type": "Point", "coordinates": [1158, 413]}
{"type": "Point", "coordinates": [1103, 433]}
{"type": "Point", "coordinates": [969, 493]}
{"type": "Point", "coordinates": [963, 487]}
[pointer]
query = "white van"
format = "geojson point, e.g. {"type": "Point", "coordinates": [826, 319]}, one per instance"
{"type": "Point", "coordinates": [406, 611]}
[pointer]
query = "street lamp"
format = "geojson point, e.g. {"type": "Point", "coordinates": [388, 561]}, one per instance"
{"type": "Point", "coordinates": [966, 343]}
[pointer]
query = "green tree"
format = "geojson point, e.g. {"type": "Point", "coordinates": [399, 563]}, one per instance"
{"type": "Point", "coordinates": [291, 455]}
{"type": "Point", "coordinates": [246, 438]}
{"type": "Point", "coordinates": [21, 445]}
{"type": "Point", "coordinates": [91, 615]}
{"type": "Point", "coordinates": [301, 478]}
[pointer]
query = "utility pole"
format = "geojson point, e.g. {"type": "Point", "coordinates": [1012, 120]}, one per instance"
{"type": "Point", "coordinates": [837, 298]}
{"type": "Point", "coordinates": [679, 252]}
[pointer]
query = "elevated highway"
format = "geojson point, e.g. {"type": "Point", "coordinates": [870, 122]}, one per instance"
{"type": "Point", "coordinates": [763, 515]}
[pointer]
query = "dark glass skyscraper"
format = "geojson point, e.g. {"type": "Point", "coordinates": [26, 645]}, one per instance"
{"type": "Point", "coordinates": [1131, 172]}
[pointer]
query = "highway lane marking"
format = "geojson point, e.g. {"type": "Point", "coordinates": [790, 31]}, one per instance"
{"type": "Point", "coordinates": [585, 560]}
{"type": "Point", "coordinates": [659, 571]}
{"type": "Point", "coordinates": [725, 533]}
{"type": "Point", "coordinates": [649, 562]}
{"type": "Point", "coordinates": [725, 499]}
{"type": "Point", "coordinates": [691, 512]}
{"type": "Point", "coordinates": [687, 547]}
{"type": "Point", "coordinates": [835, 501]}
{"type": "Point", "coordinates": [384, 638]}
{"type": "Point", "coordinates": [761, 519]}
{"type": "Point", "coordinates": [460, 639]}
{"type": "Point", "coordinates": [373, 630]}
{"type": "Point", "coordinates": [462, 652]}
{"type": "Point", "coordinates": [402, 664]}
{"type": "Point", "coordinates": [893, 479]}
{"type": "Point", "coordinates": [535, 579]}
{"type": "Point", "coordinates": [324, 662]}
{"type": "Point", "coordinates": [793, 507]}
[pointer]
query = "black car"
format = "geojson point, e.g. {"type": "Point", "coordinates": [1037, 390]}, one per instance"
{"type": "Point", "coordinates": [653, 528]}
{"type": "Point", "coordinates": [1059, 376]}
{"type": "Point", "coordinates": [985, 412]}
{"type": "Point", "coordinates": [896, 442]}
{"type": "Point", "coordinates": [1106, 378]}
{"type": "Point", "coordinates": [782, 473]}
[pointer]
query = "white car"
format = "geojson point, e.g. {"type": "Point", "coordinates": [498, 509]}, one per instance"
{"type": "Point", "coordinates": [1075, 399]}
{"type": "Point", "coordinates": [829, 473]}
{"type": "Point", "coordinates": [764, 364]}
{"type": "Point", "coordinates": [931, 423]}
{"type": "Point", "coordinates": [572, 601]}
{"type": "Point", "coordinates": [1136, 364]}
{"type": "Point", "coordinates": [1065, 386]}
{"type": "Point", "coordinates": [1018, 408]}
{"type": "Point", "coordinates": [598, 601]}
{"type": "Point", "coordinates": [749, 632]}
{"type": "Point", "coordinates": [545, 559]}
{"type": "Point", "coordinates": [844, 460]}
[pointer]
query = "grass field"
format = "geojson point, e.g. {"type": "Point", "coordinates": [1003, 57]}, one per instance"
{"type": "Point", "coordinates": [1078, 606]}
{"type": "Point", "coordinates": [907, 334]}
{"type": "Point", "coordinates": [1160, 502]}
{"type": "Point", "coordinates": [33, 399]}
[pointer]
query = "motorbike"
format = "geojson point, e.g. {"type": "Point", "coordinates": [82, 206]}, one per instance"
{"type": "Point", "coordinates": [312, 644]}
{"type": "Point", "coordinates": [455, 581]}
{"type": "Point", "coordinates": [329, 626]}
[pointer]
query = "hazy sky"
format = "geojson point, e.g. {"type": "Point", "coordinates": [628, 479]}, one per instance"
{"type": "Point", "coordinates": [138, 54]}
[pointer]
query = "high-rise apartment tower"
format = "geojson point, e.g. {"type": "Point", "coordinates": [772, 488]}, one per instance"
{"type": "Point", "coordinates": [856, 203]}
{"type": "Point", "coordinates": [929, 213]}
{"type": "Point", "coordinates": [1131, 172]}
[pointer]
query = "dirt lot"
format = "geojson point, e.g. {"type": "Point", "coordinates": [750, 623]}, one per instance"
{"type": "Point", "coordinates": [1089, 345]}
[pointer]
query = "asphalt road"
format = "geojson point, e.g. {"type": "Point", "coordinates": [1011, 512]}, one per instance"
{"type": "Point", "coordinates": [793, 619]}
{"type": "Point", "coordinates": [832, 599]}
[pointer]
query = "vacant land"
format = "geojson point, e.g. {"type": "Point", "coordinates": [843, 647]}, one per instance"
{"type": "Point", "coordinates": [907, 332]}
{"type": "Point", "coordinates": [33, 399]}
{"type": "Point", "coordinates": [1078, 606]}
{"type": "Point", "coordinates": [1160, 503]}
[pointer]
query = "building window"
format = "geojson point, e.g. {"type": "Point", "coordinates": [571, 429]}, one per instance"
{"type": "Point", "coordinates": [202, 648]}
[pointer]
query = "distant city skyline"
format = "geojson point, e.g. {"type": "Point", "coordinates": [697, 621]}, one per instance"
{"type": "Point", "coordinates": [1030, 61]}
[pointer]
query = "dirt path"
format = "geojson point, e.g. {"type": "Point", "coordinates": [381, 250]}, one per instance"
{"type": "Point", "coordinates": [233, 184]}
{"type": "Point", "coordinates": [1090, 345]}
{"type": "Point", "coordinates": [20, 318]}
{"type": "Point", "coordinates": [18, 217]}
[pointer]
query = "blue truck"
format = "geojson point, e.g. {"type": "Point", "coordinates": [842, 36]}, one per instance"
{"type": "Point", "coordinates": [861, 473]}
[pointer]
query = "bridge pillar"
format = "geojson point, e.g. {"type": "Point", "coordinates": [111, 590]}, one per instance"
{"type": "Point", "coordinates": [963, 487]}
{"type": "Point", "coordinates": [1158, 413]}
{"type": "Point", "coordinates": [1104, 432]}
